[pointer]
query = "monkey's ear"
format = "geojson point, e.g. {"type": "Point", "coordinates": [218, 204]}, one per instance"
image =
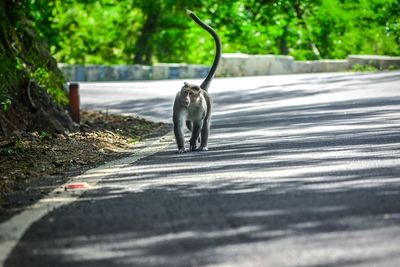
{"type": "Point", "coordinates": [196, 87]}
{"type": "Point", "coordinates": [186, 84]}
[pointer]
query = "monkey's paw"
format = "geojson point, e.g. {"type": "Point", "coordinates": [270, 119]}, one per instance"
{"type": "Point", "coordinates": [202, 148]}
{"type": "Point", "coordinates": [181, 150]}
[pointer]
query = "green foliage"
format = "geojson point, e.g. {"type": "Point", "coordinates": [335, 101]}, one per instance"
{"type": "Point", "coordinates": [51, 81]}
{"type": "Point", "coordinates": [8, 77]}
{"type": "Point", "coordinates": [143, 31]}
{"type": "Point", "coordinates": [15, 148]}
{"type": "Point", "coordinates": [24, 55]}
{"type": "Point", "coordinates": [44, 135]}
{"type": "Point", "coordinates": [362, 68]}
{"type": "Point", "coordinates": [6, 103]}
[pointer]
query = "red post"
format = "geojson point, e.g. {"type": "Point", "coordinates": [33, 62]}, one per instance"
{"type": "Point", "coordinates": [74, 102]}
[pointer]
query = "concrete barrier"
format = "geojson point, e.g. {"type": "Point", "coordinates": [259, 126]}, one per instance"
{"type": "Point", "coordinates": [254, 65]}
{"type": "Point", "coordinates": [281, 65]}
{"type": "Point", "coordinates": [325, 65]}
{"type": "Point", "coordinates": [231, 65]}
{"type": "Point", "coordinates": [379, 62]}
{"type": "Point", "coordinates": [162, 71]}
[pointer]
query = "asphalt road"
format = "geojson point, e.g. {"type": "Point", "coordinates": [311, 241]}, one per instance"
{"type": "Point", "coordinates": [303, 170]}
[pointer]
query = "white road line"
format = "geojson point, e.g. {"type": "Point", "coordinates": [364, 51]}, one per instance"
{"type": "Point", "coordinates": [12, 230]}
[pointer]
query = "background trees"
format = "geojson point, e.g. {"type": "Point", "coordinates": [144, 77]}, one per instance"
{"type": "Point", "coordinates": [142, 31]}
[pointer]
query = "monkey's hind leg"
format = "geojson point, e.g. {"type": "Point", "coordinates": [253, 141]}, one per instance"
{"type": "Point", "coordinates": [204, 136]}
{"type": "Point", "coordinates": [189, 125]}
{"type": "Point", "coordinates": [195, 136]}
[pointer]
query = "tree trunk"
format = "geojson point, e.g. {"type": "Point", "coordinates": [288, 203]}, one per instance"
{"type": "Point", "coordinates": [299, 14]}
{"type": "Point", "coordinates": [282, 41]}
{"type": "Point", "coordinates": [144, 49]}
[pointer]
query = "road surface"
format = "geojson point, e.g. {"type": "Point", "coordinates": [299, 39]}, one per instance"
{"type": "Point", "coordinates": [303, 170]}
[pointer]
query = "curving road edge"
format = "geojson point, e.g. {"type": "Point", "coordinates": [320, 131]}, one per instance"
{"type": "Point", "coordinates": [13, 229]}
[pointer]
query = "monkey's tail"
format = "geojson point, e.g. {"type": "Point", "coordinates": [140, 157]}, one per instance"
{"type": "Point", "coordinates": [211, 73]}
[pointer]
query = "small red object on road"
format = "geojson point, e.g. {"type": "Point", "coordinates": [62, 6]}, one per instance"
{"type": "Point", "coordinates": [79, 185]}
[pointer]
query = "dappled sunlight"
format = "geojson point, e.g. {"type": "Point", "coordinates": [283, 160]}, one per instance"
{"type": "Point", "coordinates": [135, 243]}
{"type": "Point", "coordinates": [306, 178]}
{"type": "Point", "coordinates": [329, 249]}
{"type": "Point", "coordinates": [259, 217]}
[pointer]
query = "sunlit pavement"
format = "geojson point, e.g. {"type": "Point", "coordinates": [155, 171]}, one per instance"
{"type": "Point", "coordinates": [303, 170]}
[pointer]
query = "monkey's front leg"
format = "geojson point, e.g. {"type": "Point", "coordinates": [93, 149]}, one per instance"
{"type": "Point", "coordinates": [179, 136]}
{"type": "Point", "coordinates": [195, 135]}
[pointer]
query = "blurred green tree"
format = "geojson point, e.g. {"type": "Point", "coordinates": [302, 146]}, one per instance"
{"type": "Point", "coordinates": [145, 32]}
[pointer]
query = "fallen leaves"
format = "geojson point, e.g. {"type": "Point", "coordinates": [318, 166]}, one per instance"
{"type": "Point", "coordinates": [27, 157]}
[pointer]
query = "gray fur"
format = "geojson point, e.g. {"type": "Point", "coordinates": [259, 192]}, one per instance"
{"type": "Point", "coordinates": [195, 115]}
{"type": "Point", "coordinates": [194, 111]}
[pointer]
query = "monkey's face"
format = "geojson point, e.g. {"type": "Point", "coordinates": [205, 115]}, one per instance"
{"type": "Point", "coordinates": [189, 94]}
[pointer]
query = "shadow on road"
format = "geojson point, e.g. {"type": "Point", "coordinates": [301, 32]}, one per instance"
{"type": "Point", "coordinates": [305, 178]}
{"type": "Point", "coordinates": [182, 225]}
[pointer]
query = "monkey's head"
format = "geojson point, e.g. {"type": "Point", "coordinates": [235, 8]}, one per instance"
{"type": "Point", "coordinates": [190, 93]}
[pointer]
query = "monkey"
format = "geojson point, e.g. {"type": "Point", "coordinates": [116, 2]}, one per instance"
{"type": "Point", "coordinates": [192, 105]}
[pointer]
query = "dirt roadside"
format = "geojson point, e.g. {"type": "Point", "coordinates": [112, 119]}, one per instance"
{"type": "Point", "coordinates": [33, 164]}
